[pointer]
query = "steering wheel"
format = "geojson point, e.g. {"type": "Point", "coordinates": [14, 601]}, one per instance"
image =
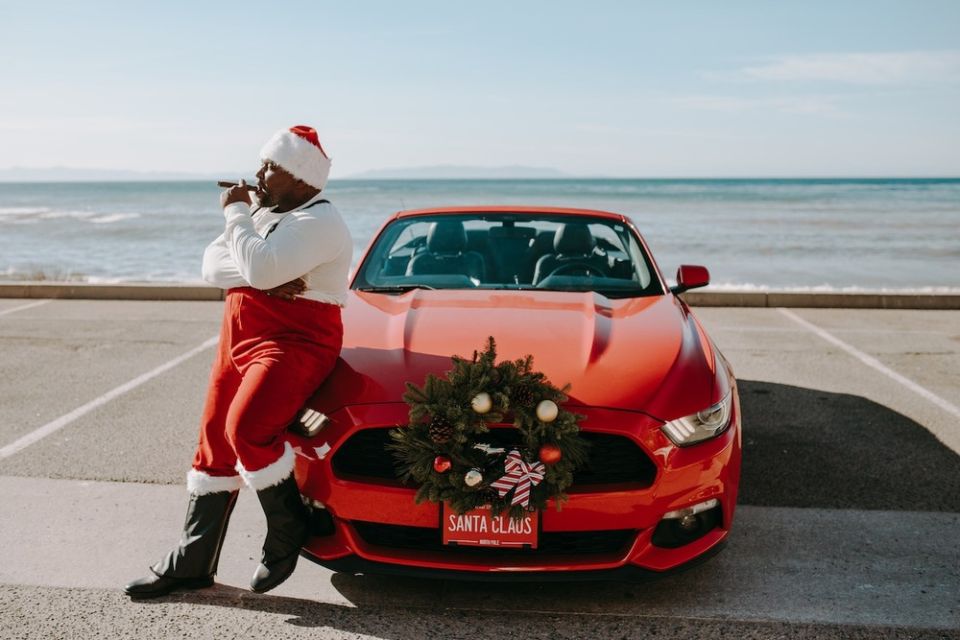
{"type": "Point", "coordinates": [587, 269]}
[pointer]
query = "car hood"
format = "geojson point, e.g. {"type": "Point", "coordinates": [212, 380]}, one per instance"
{"type": "Point", "coordinates": [614, 353]}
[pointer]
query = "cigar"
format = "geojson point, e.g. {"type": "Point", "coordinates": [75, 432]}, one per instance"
{"type": "Point", "coordinates": [225, 184]}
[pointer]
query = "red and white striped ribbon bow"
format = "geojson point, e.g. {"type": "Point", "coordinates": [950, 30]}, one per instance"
{"type": "Point", "coordinates": [520, 474]}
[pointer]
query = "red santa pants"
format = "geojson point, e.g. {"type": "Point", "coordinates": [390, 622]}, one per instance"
{"type": "Point", "coordinates": [273, 354]}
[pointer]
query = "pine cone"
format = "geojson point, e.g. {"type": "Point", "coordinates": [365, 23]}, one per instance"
{"type": "Point", "coordinates": [523, 396]}
{"type": "Point", "coordinates": [440, 430]}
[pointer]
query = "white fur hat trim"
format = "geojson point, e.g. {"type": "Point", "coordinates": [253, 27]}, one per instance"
{"type": "Point", "coordinates": [298, 151]}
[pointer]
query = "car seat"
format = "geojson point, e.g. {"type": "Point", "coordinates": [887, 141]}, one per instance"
{"type": "Point", "coordinates": [445, 253]}
{"type": "Point", "coordinates": [573, 252]}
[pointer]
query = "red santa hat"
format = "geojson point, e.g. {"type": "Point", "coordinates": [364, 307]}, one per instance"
{"type": "Point", "coordinates": [298, 151]}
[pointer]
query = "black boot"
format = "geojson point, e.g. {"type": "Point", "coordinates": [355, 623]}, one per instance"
{"type": "Point", "coordinates": [193, 563]}
{"type": "Point", "coordinates": [287, 532]}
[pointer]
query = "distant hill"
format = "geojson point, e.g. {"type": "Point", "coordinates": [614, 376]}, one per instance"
{"type": "Point", "coordinates": [68, 174]}
{"type": "Point", "coordinates": [455, 172]}
{"type": "Point", "coordinates": [439, 172]}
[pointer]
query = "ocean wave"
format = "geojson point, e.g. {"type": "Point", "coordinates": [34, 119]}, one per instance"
{"type": "Point", "coordinates": [57, 214]}
{"type": "Point", "coordinates": [31, 215]}
{"type": "Point", "coordinates": [113, 217]}
{"type": "Point", "coordinates": [37, 273]}
{"type": "Point", "coordinates": [143, 279]}
{"type": "Point", "coordinates": [22, 211]}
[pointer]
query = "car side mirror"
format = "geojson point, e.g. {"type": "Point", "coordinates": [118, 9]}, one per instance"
{"type": "Point", "coordinates": [690, 276]}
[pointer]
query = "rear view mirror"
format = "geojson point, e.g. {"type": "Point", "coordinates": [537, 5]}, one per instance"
{"type": "Point", "coordinates": [690, 276]}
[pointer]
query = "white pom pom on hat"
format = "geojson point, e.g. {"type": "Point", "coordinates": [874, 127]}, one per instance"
{"type": "Point", "coordinates": [298, 151]}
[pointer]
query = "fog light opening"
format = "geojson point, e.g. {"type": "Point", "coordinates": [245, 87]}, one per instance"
{"type": "Point", "coordinates": [683, 526]}
{"type": "Point", "coordinates": [321, 522]}
{"type": "Point", "coordinates": [693, 510]}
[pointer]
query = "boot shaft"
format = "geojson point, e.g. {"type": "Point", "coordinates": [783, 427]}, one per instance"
{"type": "Point", "coordinates": [286, 515]}
{"type": "Point", "coordinates": [204, 529]}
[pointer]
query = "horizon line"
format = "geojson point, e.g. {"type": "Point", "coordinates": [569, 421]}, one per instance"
{"type": "Point", "coordinates": [508, 179]}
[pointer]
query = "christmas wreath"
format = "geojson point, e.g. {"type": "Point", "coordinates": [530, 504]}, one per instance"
{"type": "Point", "coordinates": [449, 449]}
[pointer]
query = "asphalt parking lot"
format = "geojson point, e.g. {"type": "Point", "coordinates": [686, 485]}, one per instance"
{"type": "Point", "coordinates": [848, 525]}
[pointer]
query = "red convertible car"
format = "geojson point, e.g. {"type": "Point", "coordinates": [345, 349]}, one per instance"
{"type": "Point", "coordinates": [578, 290]}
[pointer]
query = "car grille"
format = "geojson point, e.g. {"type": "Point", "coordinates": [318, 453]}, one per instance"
{"type": "Point", "coordinates": [613, 459]}
{"type": "Point", "coordinates": [550, 543]}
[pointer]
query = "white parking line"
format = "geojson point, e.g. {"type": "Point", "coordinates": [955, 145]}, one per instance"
{"type": "Point", "coordinates": [873, 363]}
{"type": "Point", "coordinates": [24, 306]}
{"type": "Point", "coordinates": [64, 420]}
{"type": "Point", "coordinates": [738, 329]}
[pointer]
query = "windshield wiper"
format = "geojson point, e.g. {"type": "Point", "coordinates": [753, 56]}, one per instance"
{"type": "Point", "coordinates": [607, 293]}
{"type": "Point", "coordinates": [398, 288]}
{"type": "Point", "coordinates": [507, 287]}
{"type": "Point", "coordinates": [623, 293]}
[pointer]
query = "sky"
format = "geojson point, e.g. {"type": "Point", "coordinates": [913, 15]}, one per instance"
{"type": "Point", "coordinates": [622, 89]}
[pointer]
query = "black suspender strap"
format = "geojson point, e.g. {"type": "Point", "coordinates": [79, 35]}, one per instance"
{"type": "Point", "coordinates": [313, 204]}
{"type": "Point", "coordinates": [274, 225]}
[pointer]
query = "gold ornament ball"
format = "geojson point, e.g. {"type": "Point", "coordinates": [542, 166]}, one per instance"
{"type": "Point", "coordinates": [473, 478]}
{"type": "Point", "coordinates": [482, 402]}
{"type": "Point", "coordinates": [547, 411]}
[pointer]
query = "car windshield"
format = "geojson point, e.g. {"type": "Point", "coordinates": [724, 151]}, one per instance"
{"type": "Point", "coordinates": [508, 251]}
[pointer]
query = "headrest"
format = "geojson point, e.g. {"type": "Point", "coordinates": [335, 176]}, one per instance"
{"type": "Point", "coordinates": [574, 239]}
{"type": "Point", "coordinates": [446, 236]}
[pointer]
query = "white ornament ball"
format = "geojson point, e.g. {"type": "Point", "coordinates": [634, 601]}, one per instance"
{"type": "Point", "coordinates": [547, 411]}
{"type": "Point", "coordinates": [482, 402]}
{"type": "Point", "coordinates": [473, 477]}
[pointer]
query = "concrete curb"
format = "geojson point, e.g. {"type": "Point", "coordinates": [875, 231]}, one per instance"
{"type": "Point", "coordinates": [154, 291]}
{"type": "Point", "coordinates": [84, 291]}
{"type": "Point", "coordinates": [931, 301]}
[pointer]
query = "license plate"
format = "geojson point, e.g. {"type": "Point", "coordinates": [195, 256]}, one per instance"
{"type": "Point", "coordinates": [480, 528]}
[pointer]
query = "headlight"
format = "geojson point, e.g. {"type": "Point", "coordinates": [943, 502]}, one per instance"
{"type": "Point", "coordinates": [702, 425]}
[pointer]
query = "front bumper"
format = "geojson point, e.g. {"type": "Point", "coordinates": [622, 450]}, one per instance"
{"type": "Point", "coordinates": [621, 516]}
{"type": "Point", "coordinates": [356, 565]}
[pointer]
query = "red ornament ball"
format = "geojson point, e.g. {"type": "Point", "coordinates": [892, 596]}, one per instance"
{"type": "Point", "coordinates": [442, 464]}
{"type": "Point", "coordinates": [550, 454]}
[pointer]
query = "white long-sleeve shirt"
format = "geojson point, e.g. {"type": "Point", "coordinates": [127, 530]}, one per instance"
{"type": "Point", "coordinates": [268, 249]}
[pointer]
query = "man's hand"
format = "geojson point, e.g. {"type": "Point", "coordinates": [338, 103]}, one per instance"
{"type": "Point", "coordinates": [239, 193]}
{"type": "Point", "coordinates": [289, 290]}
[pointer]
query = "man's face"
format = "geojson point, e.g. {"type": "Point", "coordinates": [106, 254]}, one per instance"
{"type": "Point", "coordinates": [273, 182]}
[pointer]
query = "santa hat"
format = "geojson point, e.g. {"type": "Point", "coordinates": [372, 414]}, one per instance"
{"type": "Point", "coordinates": [298, 151]}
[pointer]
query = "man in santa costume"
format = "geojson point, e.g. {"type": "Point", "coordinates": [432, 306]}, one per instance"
{"type": "Point", "coordinates": [283, 258]}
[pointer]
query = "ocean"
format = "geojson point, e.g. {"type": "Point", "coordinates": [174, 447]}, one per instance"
{"type": "Point", "coordinates": [794, 235]}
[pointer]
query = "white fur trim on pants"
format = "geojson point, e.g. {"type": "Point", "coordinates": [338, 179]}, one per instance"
{"type": "Point", "coordinates": [202, 483]}
{"type": "Point", "coordinates": [272, 474]}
